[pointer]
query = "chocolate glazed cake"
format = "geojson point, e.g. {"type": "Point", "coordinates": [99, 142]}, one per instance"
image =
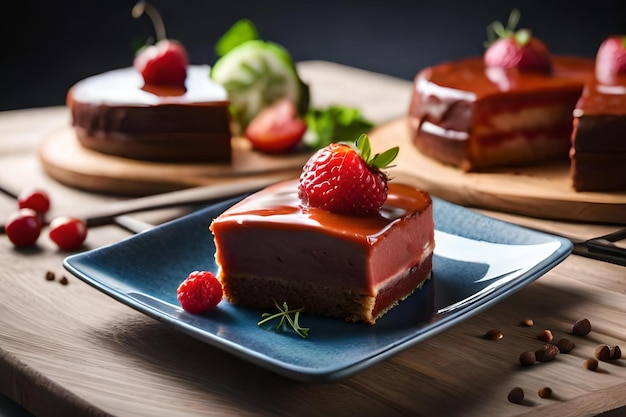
{"type": "Point", "coordinates": [467, 115]}
{"type": "Point", "coordinates": [114, 113]}
{"type": "Point", "coordinates": [598, 153]}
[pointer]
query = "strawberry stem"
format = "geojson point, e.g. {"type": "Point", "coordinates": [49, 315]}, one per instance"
{"type": "Point", "coordinates": [379, 160]}
{"type": "Point", "coordinates": [496, 30]}
{"type": "Point", "coordinates": [159, 27]}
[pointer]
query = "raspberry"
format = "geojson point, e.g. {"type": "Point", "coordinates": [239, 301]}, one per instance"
{"type": "Point", "coordinates": [199, 292]}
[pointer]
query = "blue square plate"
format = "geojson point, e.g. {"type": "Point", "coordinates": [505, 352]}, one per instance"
{"type": "Point", "coordinates": [478, 262]}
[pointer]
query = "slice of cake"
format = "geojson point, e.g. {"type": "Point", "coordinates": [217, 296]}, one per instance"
{"type": "Point", "coordinates": [116, 113]}
{"type": "Point", "coordinates": [279, 246]}
{"type": "Point", "coordinates": [513, 106]}
{"type": "Point", "coordinates": [467, 115]}
{"type": "Point", "coordinates": [598, 151]}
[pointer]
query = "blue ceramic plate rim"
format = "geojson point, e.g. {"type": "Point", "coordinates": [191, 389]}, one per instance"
{"type": "Point", "coordinates": [463, 284]}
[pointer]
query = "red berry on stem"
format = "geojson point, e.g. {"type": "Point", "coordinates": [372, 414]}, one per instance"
{"type": "Point", "coordinates": [34, 199]}
{"type": "Point", "coordinates": [164, 63]}
{"type": "Point", "coordinates": [23, 227]}
{"type": "Point", "coordinates": [611, 59]}
{"type": "Point", "coordinates": [68, 233]}
{"type": "Point", "coordinates": [346, 179]}
{"type": "Point", "coordinates": [516, 49]}
{"type": "Point", "coordinates": [276, 128]}
{"type": "Point", "coordinates": [199, 292]}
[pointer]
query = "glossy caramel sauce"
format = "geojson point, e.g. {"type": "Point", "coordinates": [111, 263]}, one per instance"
{"type": "Point", "coordinates": [469, 79]}
{"type": "Point", "coordinates": [602, 99]}
{"type": "Point", "coordinates": [279, 206]}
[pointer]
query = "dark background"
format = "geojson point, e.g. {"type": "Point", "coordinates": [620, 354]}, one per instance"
{"type": "Point", "coordinates": [50, 45]}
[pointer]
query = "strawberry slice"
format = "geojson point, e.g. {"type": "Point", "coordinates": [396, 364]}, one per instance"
{"type": "Point", "coordinates": [277, 128]}
{"type": "Point", "coordinates": [345, 178]}
{"type": "Point", "coordinates": [516, 49]}
{"type": "Point", "coordinates": [611, 59]}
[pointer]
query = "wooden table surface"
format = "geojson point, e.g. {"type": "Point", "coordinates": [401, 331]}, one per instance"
{"type": "Point", "coordinates": [71, 350]}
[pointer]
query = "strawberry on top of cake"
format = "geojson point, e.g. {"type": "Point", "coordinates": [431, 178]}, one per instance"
{"type": "Point", "coordinates": [511, 106]}
{"type": "Point", "coordinates": [339, 242]}
{"type": "Point", "coordinates": [598, 152]}
{"type": "Point", "coordinates": [161, 109]}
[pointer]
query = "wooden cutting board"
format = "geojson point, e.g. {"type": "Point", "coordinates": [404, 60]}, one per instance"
{"type": "Point", "coordinates": [540, 191]}
{"type": "Point", "coordinates": [65, 160]}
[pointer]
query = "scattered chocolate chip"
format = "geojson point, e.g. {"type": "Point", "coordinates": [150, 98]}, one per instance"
{"type": "Point", "coordinates": [527, 323]}
{"type": "Point", "coordinates": [64, 280]}
{"type": "Point", "coordinates": [527, 358]}
{"type": "Point", "coordinates": [494, 334]}
{"type": "Point", "coordinates": [545, 392]}
{"type": "Point", "coordinates": [591, 364]}
{"type": "Point", "coordinates": [582, 327]}
{"type": "Point", "coordinates": [565, 345]}
{"type": "Point", "coordinates": [603, 353]}
{"type": "Point", "coordinates": [516, 395]}
{"type": "Point", "coordinates": [547, 353]}
{"type": "Point", "coordinates": [545, 336]}
{"type": "Point", "coordinates": [616, 352]}
{"type": "Point", "coordinates": [50, 276]}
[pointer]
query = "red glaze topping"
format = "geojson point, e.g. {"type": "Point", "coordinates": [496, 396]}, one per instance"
{"type": "Point", "coordinates": [279, 204]}
{"type": "Point", "coordinates": [470, 80]}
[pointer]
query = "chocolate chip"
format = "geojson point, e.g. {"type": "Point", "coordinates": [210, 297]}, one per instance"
{"type": "Point", "coordinates": [50, 276]}
{"type": "Point", "coordinates": [603, 353]}
{"type": "Point", "coordinates": [547, 353]}
{"type": "Point", "coordinates": [527, 323]}
{"type": "Point", "coordinates": [64, 280]}
{"type": "Point", "coordinates": [545, 336]}
{"type": "Point", "coordinates": [582, 327]}
{"type": "Point", "coordinates": [616, 352]}
{"type": "Point", "coordinates": [494, 334]}
{"type": "Point", "coordinates": [565, 345]}
{"type": "Point", "coordinates": [527, 358]}
{"type": "Point", "coordinates": [545, 392]}
{"type": "Point", "coordinates": [516, 395]}
{"type": "Point", "coordinates": [591, 364]}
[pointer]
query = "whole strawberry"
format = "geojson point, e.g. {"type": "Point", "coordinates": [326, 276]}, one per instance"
{"type": "Point", "coordinates": [611, 59]}
{"type": "Point", "coordinates": [516, 49]}
{"type": "Point", "coordinates": [346, 178]}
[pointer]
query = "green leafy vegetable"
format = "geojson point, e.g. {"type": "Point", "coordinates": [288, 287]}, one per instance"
{"type": "Point", "coordinates": [284, 314]}
{"type": "Point", "coordinates": [242, 31]}
{"type": "Point", "coordinates": [334, 124]}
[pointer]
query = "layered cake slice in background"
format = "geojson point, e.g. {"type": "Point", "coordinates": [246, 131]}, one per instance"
{"type": "Point", "coordinates": [598, 151]}
{"type": "Point", "coordinates": [513, 106]}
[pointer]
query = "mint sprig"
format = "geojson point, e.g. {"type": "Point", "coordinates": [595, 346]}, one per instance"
{"type": "Point", "coordinates": [284, 316]}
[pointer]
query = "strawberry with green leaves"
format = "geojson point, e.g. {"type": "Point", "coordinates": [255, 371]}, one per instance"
{"type": "Point", "coordinates": [508, 48]}
{"type": "Point", "coordinates": [346, 178]}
